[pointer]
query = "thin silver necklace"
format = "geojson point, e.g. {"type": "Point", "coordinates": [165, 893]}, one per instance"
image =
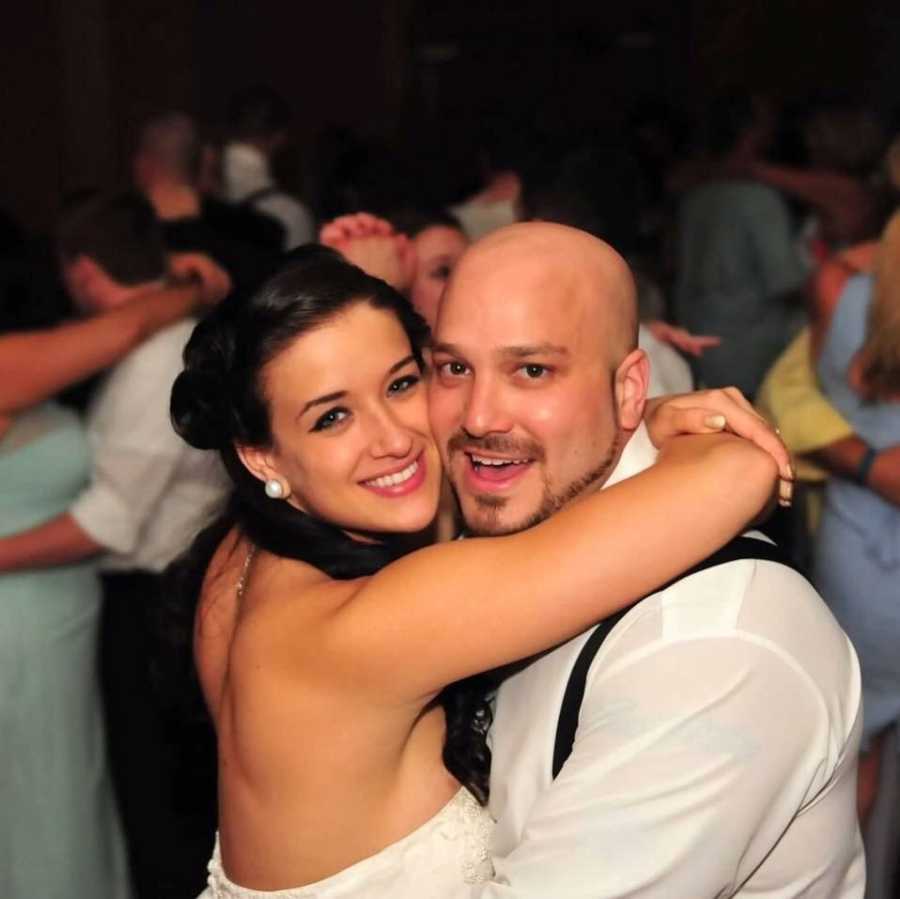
{"type": "Point", "coordinates": [242, 580]}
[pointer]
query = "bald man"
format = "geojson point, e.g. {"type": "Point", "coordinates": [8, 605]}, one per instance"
{"type": "Point", "coordinates": [714, 750]}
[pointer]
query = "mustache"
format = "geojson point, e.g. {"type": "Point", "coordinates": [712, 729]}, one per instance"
{"type": "Point", "coordinates": [496, 443]}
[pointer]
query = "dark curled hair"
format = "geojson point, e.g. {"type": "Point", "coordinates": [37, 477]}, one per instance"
{"type": "Point", "coordinates": [218, 403]}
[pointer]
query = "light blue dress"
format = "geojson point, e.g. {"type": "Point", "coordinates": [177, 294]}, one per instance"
{"type": "Point", "coordinates": [857, 566]}
{"type": "Point", "coordinates": [59, 830]}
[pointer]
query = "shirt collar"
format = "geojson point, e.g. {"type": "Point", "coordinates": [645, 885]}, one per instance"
{"type": "Point", "coordinates": [639, 454]}
{"type": "Point", "coordinates": [245, 170]}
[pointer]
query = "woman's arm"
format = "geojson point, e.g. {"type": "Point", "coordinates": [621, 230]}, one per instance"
{"type": "Point", "coordinates": [451, 610]}
{"type": "Point", "coordinates": [822, 190]}
{"type": "Point", "coordinates": [36, 365]}
{"type": "Point", "coordinates": [845, 204]}
{"type": "Point", "coordinates": [58, 541]}
{"type": "Point", "coordinates": [833, 194]}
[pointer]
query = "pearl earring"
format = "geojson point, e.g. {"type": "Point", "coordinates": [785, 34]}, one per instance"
{"type": "Point", "coordinates": [274, 489]}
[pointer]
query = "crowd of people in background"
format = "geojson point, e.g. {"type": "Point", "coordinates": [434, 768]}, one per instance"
{"type": "Point", "coordinates": [766, 256]}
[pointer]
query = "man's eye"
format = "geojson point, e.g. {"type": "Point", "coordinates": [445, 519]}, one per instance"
{"type": "Point", "coordinates": [533, 371]}
{"type": "Point", "coordinates": [330, 419]}
{"type": "Point", "coordinates": [453, 369]}
{"type": "Point", "coordinates": [401, 385]}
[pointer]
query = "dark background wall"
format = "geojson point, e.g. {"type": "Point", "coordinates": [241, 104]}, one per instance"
{"type": "Point", "coordinates": [79, 75]}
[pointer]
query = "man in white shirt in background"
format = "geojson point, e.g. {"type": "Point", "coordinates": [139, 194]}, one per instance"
{"type": "Point", "coordinates": [258, 121]}
{"type": "Point", "coordinates": [716, 745]}
{"type": "Point", "coordinates": [149, 495]}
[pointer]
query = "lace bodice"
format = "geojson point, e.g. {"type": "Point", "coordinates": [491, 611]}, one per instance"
{"type": "Point", "coordinates": [447, 851]}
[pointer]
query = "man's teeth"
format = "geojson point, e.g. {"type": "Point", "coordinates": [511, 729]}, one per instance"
{"type": "Point", "coordinates": [481, 460]}
{"type": "Point", "coordinates": [391, 480]}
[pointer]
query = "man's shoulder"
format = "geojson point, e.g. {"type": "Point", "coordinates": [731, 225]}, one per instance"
{"type": "Point", "coordinates": [163, 349]}
{"type": "Point", "coordinates": [143, 378]}
{"type": "Point", "coordinates": [725, 196]}
{"type": "Point", "coordinates": [746, 600]}
{"type": "Point", "coordinates": [280, 199]}
{"type": "Point", "coordinates": [728, 597]}
{"type": "Point", "coordinates": [750, 608]}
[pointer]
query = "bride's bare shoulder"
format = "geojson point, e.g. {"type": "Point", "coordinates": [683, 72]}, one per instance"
{"type": "Point", "coordinates": [256, 601]}
{"type": "Point", "coordinates": [254, 607]}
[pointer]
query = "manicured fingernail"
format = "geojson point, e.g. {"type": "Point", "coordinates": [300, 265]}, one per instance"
{"type": "Point", "coordinates": [785, 493]}
{"type": "Point", "coordinates": [714, 421]}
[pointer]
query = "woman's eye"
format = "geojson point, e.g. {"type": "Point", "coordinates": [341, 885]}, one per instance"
{"type": "Point", "coordinates": [401, 385]}
{"type": "Point", "coordinates": [533, 371]}
{"type": "Point", "coordinates": [330, 419]}
{"type": "Point", "coordinates": [453, 369]}
{"type": "Point", "coordinates": [441, 273]}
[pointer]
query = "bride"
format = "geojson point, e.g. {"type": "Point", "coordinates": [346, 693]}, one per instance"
{"type": "Point", "coordinates": [325, 640]}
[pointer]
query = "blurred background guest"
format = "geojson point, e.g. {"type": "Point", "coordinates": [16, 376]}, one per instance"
{"type": "Point", "coordinates": [438, 241]}
{"type": "Point", "coordinates": [60, 833]}
{"type": "Point", "coordinates": [148, 494]}
{"type": "Point", "coordinates": [258, 120]}
{"type": "Point", "coordinates": [843, 143]}
{"type": "Point", "coordinates": [167, 170]}
{"type": "Point", "coordinates": [858, 552]}
{"type": "Point", "coordinates": [503, 154]}
{"type": "Point", "coordinates": [738, 263]}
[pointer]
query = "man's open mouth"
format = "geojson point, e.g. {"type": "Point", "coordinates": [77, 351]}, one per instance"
{"type": "Point", "coordinates": [492, 470]}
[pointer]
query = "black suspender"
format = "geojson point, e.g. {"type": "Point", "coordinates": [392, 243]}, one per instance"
{"type": "Point", "coordinates": [257, 195]}
{"type": "Point", "coordinates": [739, 548]}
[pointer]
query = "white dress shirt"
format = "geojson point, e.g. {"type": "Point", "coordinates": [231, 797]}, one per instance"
{"type": "Point", "coordinates": [150, 493]}
{"type": "Point", "coordinates": [669, 373]}
{"type": "Point", "coordinates": [480, 217]}
{"type": "Point", "coordinates": [245, 171]}
{"type": "Point", "coordinates": [715, 754]}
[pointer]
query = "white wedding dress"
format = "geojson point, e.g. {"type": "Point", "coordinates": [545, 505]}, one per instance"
{"type": "Point", "coordinates": [449, 850]}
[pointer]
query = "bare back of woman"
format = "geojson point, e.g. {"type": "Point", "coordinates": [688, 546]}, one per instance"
{"type": "Point", "coordinates": [315, 774]}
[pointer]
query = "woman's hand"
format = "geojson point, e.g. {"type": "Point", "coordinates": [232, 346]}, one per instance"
{"type": "Point", "coordinates": [351, 227]}
{"type": "Point", "coordinates": [712, 411]}
{"type": "Point", "coordinates": [681, 339]}
{"type": "Point", "coordinates": [372, 244]}
{"type": "Point", "coordinates": [213, 281]}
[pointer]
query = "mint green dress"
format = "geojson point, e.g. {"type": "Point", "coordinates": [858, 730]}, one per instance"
{"type": "Point", "coordinates": [59, 830]}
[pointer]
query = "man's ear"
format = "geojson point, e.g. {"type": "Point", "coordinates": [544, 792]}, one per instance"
{"type": "Point", "coordinates": [81, 271]}
{"type": "Point", "coordinates": [631, 382]}
{"type": "Point", "coordinates": [82, 278]}
{"type": "Point", "coordinates": [258, 461]}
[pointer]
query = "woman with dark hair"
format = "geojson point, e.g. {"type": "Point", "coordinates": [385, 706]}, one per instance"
{"type": "Point", "coordinates": [415, 250]}
{"type": "Point", "coordinates": [325, 640]}
{"type": "Point", "coordinates": [437, 241]}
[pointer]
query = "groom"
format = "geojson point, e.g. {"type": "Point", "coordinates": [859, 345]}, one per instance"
{"type": "Point", "coordinates": [714, 750]}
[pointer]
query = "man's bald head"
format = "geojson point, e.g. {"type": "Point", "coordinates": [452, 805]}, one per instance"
{"type": "Point", "coordinates": [537, 382]}
{"type": "Point", "coordinates": [570, 272]}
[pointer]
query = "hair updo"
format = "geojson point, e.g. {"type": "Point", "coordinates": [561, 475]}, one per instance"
{"type": "Point", "coordinates": [218, 403]}
{"type": "Point", "coordinates": [217, 400]}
